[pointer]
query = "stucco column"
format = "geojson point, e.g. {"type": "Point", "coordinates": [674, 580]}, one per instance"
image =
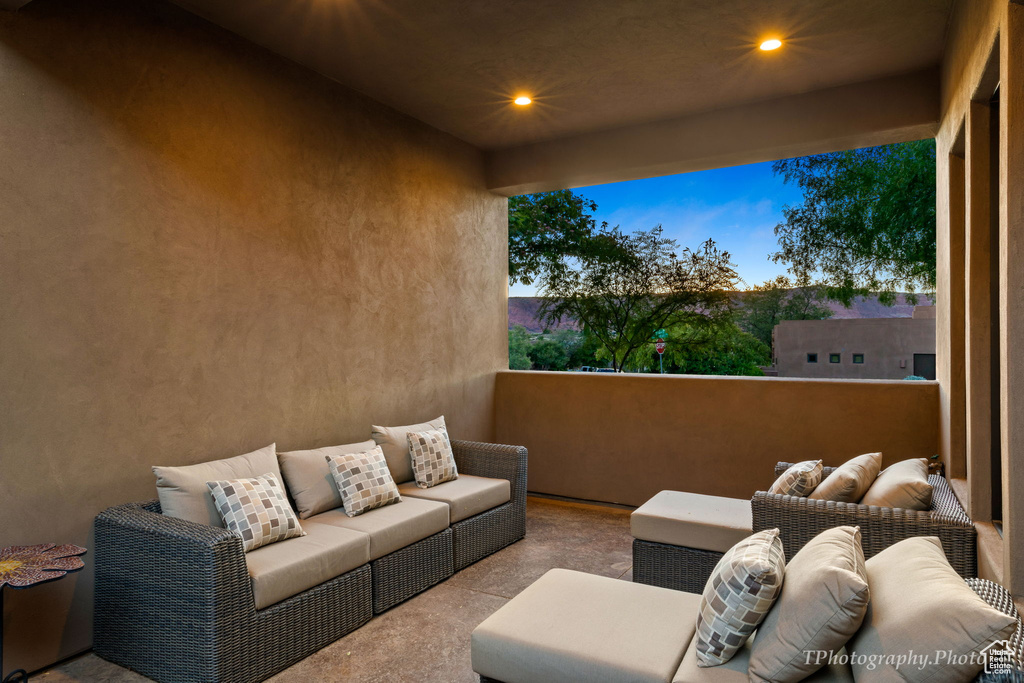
{"type": "Point", "coordinates": [978, 337]}
{"type": "Point", "coordinates": [1011, 285]}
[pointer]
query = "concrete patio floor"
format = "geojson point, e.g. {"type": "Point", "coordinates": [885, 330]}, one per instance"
{"type": "Point", "coordinates": [427, 637]}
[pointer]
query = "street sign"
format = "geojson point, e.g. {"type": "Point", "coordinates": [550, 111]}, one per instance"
{"type": "Point", "coordinates": [660, 346]}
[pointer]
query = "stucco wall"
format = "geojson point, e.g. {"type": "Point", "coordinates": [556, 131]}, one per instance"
{"type": "Point", "coordinates": [884, 342]}
{"type": "Point", "coordinates": [623, 438]}
{"type": "Point", "coordinates": [205, 249]}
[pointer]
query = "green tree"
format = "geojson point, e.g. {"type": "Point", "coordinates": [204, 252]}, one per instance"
{"type": "Point", "coordinates": [721, 350]}
{"type": "Point", "coordinates": [545, 230]}
{"type": "Point", "coordinates": [625, 286]}
{"type": "Point", "coordinates": [548, 354]}
{"type": "Point", "coordinates": [519, 349]}
{"type": "Point", "coordinates": [867, 221]}
{"type": "Point", "coordinates": [765, 306]}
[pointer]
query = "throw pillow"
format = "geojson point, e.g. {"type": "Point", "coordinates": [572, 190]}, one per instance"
{"type": "Point", "coordinates": [850, 481]}
{"type": "Point", "coordinates": [395, 442]}
{"type": "Point", "coordinates": [902, 485]}
{"type": "Point", "coordinates": [432, 459]}
{"type": "Point", "coordinates": [799, 479]}
{"type": "Point", "coordinates": [255, 509]}
{"type": "Point", "coordinates": [363, 480]}
{"type": "Point", "coordinates": [738, 594]}
{"type": "Point", "coordinates": [309, 478]}
{"type": "Point", "coordinates": [920, 605]}
{"type": "Point", "coordinates": [183, 491]}
{"type": "Point", "coordinates": [822, 604]}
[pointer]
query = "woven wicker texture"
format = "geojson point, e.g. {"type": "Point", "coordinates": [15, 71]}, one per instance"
{"type": "Point", "coordinates": [801, 519]}
{"type": "Point", "coordinates": [672, 566]}
{"type": "Point", "coordinates": [404, 573]}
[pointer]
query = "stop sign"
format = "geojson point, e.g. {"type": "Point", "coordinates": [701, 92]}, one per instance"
{"type": "Point", "coordinates": [660, 346]}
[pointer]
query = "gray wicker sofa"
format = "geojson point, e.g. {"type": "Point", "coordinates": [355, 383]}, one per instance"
{"type": "Point", "coordinates": [801, 519]}
{"type": "Point", "coordinates": [174, 599]}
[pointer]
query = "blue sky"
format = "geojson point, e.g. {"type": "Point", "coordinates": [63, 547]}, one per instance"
{"type": "Point", "coordinates": [738, 207]}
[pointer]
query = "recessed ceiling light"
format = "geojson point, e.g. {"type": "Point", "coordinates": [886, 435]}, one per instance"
{"type": "Point", "coordinates": [523, 100]}
{"type": "Point", "coordinates": [773, 44]}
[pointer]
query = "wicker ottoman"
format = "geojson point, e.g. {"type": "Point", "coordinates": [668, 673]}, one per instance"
{"type": "Point", "coordinates": [679, 537]}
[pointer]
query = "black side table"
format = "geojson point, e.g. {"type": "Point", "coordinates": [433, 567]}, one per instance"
{"type": "Point", "coordinates": [22, 566]}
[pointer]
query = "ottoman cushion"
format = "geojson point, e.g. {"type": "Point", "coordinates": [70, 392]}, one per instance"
{"type": "Point", "coordinates": [569, 626]}
{"type": "Point", "coordinates": [693, 520]}
{"type": "Point", "coordinates": [735, 670]}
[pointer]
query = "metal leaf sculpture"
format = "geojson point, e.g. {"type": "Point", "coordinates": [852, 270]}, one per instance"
{"type": "Point", "coordinates": [26, 565]}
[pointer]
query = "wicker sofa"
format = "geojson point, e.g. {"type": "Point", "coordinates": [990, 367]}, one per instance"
{"type": "Point", "coordinates": [174, 599]}
{"type": "Point", "coordinates": [801, 519]}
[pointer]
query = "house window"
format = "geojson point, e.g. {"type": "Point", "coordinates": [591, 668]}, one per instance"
{"type": "Point", "coordinates": [858, 358]}
{"type": "Point", "coordinates": [833, 358]}
{"type": "Point", "coordinates": [812, 358]}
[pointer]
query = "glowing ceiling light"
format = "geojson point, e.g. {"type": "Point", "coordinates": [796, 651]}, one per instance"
{"type": "Point", "coordinates": [773, 44]}
{"type": "Point", "coordinates": [523, 100]}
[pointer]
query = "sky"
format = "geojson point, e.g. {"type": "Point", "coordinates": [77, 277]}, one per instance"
{"type": "Point", "coordinates": [738, 207]}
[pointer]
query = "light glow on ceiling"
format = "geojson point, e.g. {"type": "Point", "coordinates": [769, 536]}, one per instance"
{"type": "Point", "coordinates": [771, 44]}
{"type": "Point", "coordinates": [523, 100]}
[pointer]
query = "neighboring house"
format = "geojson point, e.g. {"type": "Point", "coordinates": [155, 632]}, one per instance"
{"type": "Point", "coordinates": [870, 348]}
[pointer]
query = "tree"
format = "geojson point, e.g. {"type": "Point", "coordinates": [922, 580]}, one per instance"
{"type": "Point", "coordinates": [548, 354]}
{"type": "Point", "coordinates": [544, 230]}
{"type": "Point", "coordinates": [723, 350]}
{"type": "Point", "coordinates": [622, 288]}
{"type": "Point", "coordinates": [518, 349]}
{"type": "Point", "coordinates": [867, 221]}
{"type": "Point", "coordinates": [765, 306]}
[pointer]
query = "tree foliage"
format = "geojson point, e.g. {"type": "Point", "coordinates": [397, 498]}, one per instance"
{"type": "Point", "coordinates": [723, 350]}
{"type": "Point", "coordinates": [867, 221]}
{"type": "Point", "coordinates": [623, 287]}
{"type": "Point", "coordinates": [544, 231]}
{"type": "Point", "coordinates": [766, 305]}
{"type": "Point", "coordinates": [519, 349]}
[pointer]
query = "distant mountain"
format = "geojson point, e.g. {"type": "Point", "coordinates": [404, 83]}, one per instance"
{"type": "Point", "coordinates": [522, 310]}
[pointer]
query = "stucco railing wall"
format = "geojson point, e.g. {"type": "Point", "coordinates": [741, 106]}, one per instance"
{"type": "Point", "coordinates": [623, 438]}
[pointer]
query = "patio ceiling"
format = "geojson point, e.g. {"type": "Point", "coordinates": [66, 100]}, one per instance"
{"type": "Point", "coordinates": [590, 65]}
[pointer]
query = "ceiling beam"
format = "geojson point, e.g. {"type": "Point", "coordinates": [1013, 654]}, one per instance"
{"type": "Point", "coordinates": [893, 109]}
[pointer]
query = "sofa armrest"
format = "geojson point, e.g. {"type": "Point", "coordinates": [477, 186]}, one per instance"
{"type": "Point", "coordinates": [494, 460]}
{"type": "Point", "coordinates": [165, 584]}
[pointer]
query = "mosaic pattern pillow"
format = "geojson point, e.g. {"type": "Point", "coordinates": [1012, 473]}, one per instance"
{"type": "Point", "coordinates": [364, 481]}
{"type": "Point", "coordinates": [433, 462]}
{"type": "Point", "coordinates": [255, 509]}
{"type": "Point", "coordinates": [799, 480]}
{"type": "Point", "coordinates": [742, 588]}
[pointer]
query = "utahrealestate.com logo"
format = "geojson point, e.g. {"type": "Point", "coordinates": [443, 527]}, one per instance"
{"type": "Point", "coordinates": [999, 662]}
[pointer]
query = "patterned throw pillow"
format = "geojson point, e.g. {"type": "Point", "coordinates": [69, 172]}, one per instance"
{"type": "Point", "coordinates": [432, 459]}
{"type": "Point", "coordinates": [799, 480]}
{"type": "Point", "coordinates": [739, 593]}
{"type": "Point", "coordinates": [363, 480]}
{"type": "Point", "coordinates": [255, 509]}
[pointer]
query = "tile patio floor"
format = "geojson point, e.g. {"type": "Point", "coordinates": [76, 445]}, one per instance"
{"type": "Point", "coordinates": [427, 637]}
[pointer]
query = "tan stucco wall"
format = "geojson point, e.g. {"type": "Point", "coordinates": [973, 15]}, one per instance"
{"type": "Point", "coordinates": [623, 438]}
{"type": "Point", "coordinates": [885, 343]}
{"type": "Point", "coordinates": [205, 249]}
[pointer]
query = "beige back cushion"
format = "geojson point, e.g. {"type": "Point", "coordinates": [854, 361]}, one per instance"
{"type": "Point", "coordinates": [919, 603]}
{"type": "Point", "coordinates": [395, 442]}
{"type": "Point", "coordinates": [902, 485]}
{"type": "Point", "coordinates": [823, 602]}
{"type": "Point", "coordinates": [183, 492]}
{"type": "Point", "coordinates": [309, 479]}
{"type": "Point", "coordinates": [850, 481]}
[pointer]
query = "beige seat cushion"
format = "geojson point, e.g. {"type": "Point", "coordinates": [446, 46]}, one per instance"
{"type": "Point", "coordinates": [919, 603]}
{"type": "Point", "coordinates": [823, 601]}
{"type": "Point", "coordinates": [692, 520]}
{"type": "Point", "coordinates": [394, 526]}
{"type": "Point", "coordinates": [850, 481]}
{"type": "Point", "coordinates": [183, 491]}
{"type": "Point", "coordinates": [465, 496]}
{"type": "Point", "coordinates": [287, 568]}
{"type": "Point", "coordinates": [902, 485]}
{"type": "Point", "coordinates": [570, 627]}
{"type": "Point", "coordinates": [395, 442]}
{"type": "Point", "coordinates": [735, 670]}
{"type": "Point", "coordinates": [309, 478]}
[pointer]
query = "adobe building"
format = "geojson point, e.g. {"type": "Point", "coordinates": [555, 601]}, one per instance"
{"type": "Point", "coordinates": [864, 348]}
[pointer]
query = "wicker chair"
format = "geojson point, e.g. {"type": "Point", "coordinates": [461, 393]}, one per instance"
{"type": "Point", "coordinates": [174, 601]}
{"type": "Point", "coordinates": [801, 519]}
